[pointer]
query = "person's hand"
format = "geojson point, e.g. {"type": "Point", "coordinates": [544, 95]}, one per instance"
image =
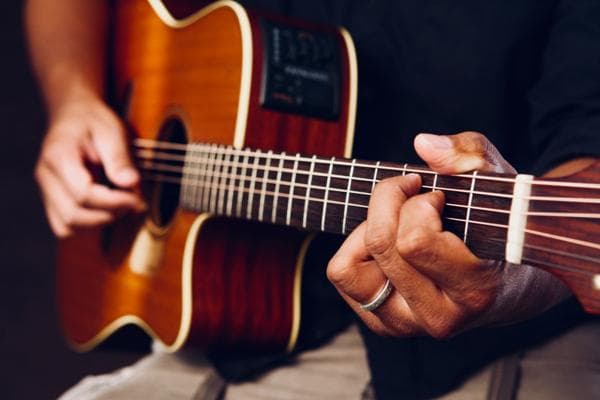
{"type": "Point", "coordinates": [83, 136]}
{"type": "Point", "coordinates": [439, 286]}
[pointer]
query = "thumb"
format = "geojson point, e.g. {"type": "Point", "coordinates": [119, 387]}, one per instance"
{"type": "Point", "coordinates": [111, 146]}
{"type": "Point", "coordinates": [455, 154]}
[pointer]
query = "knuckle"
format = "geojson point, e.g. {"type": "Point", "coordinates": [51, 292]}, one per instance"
{"type": "Point", "coordinates": [340, 272]}
{"type": "Point", "coordinates": [415, 244]}
{"type": "Point", "coordinates": [69, 218]}
{"type": "Point", "coordinates": [477, 142]}
{"type": "Point", "coordinates": [391, 185]}
{"type": "Point", "coordinates": [378, 241]}
{"type": "Point", "coordinates": [81, 194]}
{"type": "Point", "coordinates": [443, 327]}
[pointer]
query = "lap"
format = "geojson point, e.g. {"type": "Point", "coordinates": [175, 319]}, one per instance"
{"type": "Point", "coordinates": [567, 366]}
{"type": "Point", "coordinates": [336, 370]}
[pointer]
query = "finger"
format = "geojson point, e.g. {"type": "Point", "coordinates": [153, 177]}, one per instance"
{"type": "Point", "coordinates": [112, 149]}
{"type": "Point", "coordinates": [59, 229]}
{"type": "Point", "coordinates": [70, 170]}
{"type": "Point", "coordinates": [455, 154]}
{"type": "Point", "coordinates": [383, 212]}
{"type": "Point", "coordinates": [358, 279]}
{"type": "Point", "coordinates": [421, 242]}
{"type": "Point", "coordinates": [102, 197]}
{"type": "Point", "coordinates": [66, 214]}
{"type": "Point", "coordinates": [422, 296]}
{"type": "Point", "coordinates": [393, 318]}
{"type": "Point", "coordinates": [352, 270]}
{"type": "Point", "coordinates": [442, 256]}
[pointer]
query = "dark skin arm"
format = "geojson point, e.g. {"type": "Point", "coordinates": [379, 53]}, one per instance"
{"type": "Point", "coordinates": [440, 287]}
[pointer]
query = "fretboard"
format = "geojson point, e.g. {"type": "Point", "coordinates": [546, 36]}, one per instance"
{"type": "Point", "coordinates": [325, 194]}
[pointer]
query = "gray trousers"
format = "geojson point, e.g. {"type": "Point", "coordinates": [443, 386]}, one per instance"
{"type": "Point", "coordinates": [566, 367]}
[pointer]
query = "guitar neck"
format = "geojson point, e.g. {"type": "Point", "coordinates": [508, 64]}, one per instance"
{"type": "Point", "coordinates": [547, 223]}
{"type": "Point", "coordinates": [323, 194]}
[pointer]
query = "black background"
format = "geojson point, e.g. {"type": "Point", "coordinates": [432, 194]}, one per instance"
{"type": "Point", "coordinates": [35, 362]}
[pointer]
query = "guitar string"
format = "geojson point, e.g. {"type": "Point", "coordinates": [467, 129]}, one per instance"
{"type": "Point", "coordinates": [145, 143]}
{"type": "Point", "coordinates": [540, 248]}
{"type": "Point", "coordinates": [195, 178]}
{"type": "Point", "coordinates": [262, 167]}
{"type": "Point", "coordinates": [158, 167]}
{"type": "Point", "coordinates": [553, 251]}
{"type": "Point", "coordinates": [167, 179]}
{"type": "Point", "coordinates": [548, 264]}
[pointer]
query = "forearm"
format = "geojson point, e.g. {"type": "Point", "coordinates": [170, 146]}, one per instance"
{"type": "Point", "coordinates": [67, 41]}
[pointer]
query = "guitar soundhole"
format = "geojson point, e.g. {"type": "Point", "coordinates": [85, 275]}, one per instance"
{"type": "Point", "coordinates": [166, 187]}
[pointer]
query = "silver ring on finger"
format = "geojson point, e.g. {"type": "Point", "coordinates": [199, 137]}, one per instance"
{"type": "Point", "coordinates": [379, 298]}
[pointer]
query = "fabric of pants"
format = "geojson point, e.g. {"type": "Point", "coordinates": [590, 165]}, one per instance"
{"type": "Point", "coordinates": [567, 366]}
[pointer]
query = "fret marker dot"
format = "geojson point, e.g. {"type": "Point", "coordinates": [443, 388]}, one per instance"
{"type": "Point", "coordinates": [597, 281]}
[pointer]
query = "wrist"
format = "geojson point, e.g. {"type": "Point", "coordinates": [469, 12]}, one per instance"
{"type": "Point", "coordinates": [524, 293]}
{"type": "Point", "coordinates": [72, 93]}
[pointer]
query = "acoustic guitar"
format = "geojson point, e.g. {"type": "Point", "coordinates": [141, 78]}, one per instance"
{"type": "Point", "coordinates": [242, 126]}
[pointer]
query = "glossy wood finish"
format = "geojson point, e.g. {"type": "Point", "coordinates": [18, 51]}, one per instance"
{"type": "Point", "coordinates": [242, 274]}
{"type": "Point", "coordinates": [574, 263]}
{"type": "Point", "coordinates": [556, 224]}
{"type": "Point", "coordinates": [243, 284]}
{"type": "Point", "coordinates": [289, 132]}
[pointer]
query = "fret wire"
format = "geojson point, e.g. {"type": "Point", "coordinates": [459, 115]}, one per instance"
{"type": "Point", "coordinates": [491, 224]}
{"type": "Point", "coordinates": [223, 181]}
{"type": "Point", "coordinates": [481, 193]}
{"type": "Point", "coordinates": [263, 188]}
{"type": "Point", "coordinates": [215, 182]}
{"type": "Point", "coordinates": [310, 176]}
{"type": "Point", "coordinates": [277, 182]}
{"type": "Point", "coordinates": [230, 192]}
{"type": "Point", "coordinates": [242, 184]}
{"type": "Point", "coordinates": [206, 189]}
{"type": "Point", "coordinates": [404, 169]}
{"type": "Point", "coordinates": [206, 180]}
{"type": "Point", "coordinates": [416, 170]}
{"type": "Point", "coordinates": [370, 180]}
{"type": "Point", "coordinates": [497, 210]}
{"type": "Point", "coordinates": [198, 192]}
{"type": "Point", "coordinates": [375, 176]}
{"type": "Point", "coordinates": [470, 202]}
{"type": "Point", "coordinates": [435, 178]}
{"type": "Point", "coordinates": [347, 198]}
{"type": "Point", "coordinates": [327, 184]}
{"type": "Point", "coordinates": [290, 205]}
{"type": "Point", "coordinates": [252, 187]}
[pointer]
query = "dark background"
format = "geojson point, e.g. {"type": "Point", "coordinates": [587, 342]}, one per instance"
{"type": "Point", "coordinates": [35, 362]}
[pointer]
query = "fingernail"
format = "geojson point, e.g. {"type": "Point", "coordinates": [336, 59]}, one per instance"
{"type": "Point", "coordinates": [127, 176]}
{"type": "Point", "coordinates": [436, 141]}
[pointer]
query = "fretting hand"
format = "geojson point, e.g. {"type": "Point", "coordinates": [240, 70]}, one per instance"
{"type": "Point", "coordinates": [438, 287]}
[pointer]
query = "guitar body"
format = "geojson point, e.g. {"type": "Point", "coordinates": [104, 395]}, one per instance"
{"type": "Point", "coordinates": [190, 278]}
